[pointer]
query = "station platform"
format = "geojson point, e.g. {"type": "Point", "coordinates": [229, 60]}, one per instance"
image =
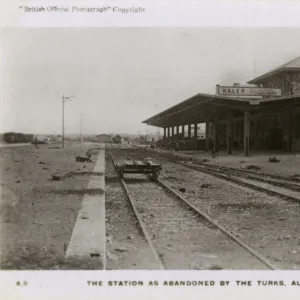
{"type": "Point", "coordinates": [288, 165]}
{"type": "Point", "coordinates": [88, 238]}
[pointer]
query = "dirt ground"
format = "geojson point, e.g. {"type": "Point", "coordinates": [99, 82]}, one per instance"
{"type": "Point", "coordinates": [37, 213]}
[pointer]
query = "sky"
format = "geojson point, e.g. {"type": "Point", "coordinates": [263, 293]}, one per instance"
{"type": "Point", "coordinates": [121, 76]}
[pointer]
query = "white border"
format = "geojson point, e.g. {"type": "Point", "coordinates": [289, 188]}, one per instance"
{"type": "Point", "coordinates": [172, 13]}
{"type": "Point", "coordinates": [213, 13]}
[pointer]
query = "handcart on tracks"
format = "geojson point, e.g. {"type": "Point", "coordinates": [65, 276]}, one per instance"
{"type": "Point", "coordinates": [139, 167]}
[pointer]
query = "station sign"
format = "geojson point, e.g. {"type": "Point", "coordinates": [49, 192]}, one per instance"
{"type": "Point", "coordinates": [249, 91]}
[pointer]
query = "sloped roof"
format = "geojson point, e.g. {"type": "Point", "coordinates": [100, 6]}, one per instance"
{"type": "Point", "coordinates": [191, 105]}
{"type": "Point", "coordinates": [104, 134]}
{"type": "Point", "coordinates": [291, 65]}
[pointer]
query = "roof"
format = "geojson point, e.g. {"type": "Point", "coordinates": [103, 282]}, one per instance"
{"type": "Point", "coordinates": [186, 109]}
{"type": "Point", "coordinates": [292, 65]}
{"type": "Point", "coordinates": [103, 134]}
{"type": "Point", "coordinates": [198, 107]}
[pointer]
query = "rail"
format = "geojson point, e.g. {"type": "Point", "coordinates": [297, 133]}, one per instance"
{"type": "Point", "coordinates": [199, 212]}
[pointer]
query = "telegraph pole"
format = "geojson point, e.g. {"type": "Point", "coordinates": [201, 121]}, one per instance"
{"type": "Point", "coordinates": [63, 122]}
{"type": "Point", "coordinates": [81, 127]}
{"type": "Point", "coordinates": [64, 99]}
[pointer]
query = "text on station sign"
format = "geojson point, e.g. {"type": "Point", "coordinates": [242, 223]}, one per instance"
{"type": "Point", "coordinates": [247, 91]}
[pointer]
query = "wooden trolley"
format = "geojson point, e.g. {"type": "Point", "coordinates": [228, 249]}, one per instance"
{"type": "Point", "coordinates": [139, 167]}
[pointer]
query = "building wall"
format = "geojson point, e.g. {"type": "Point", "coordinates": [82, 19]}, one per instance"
{"type": "Point", "coordinates": [268, 130]}
{"type": "Point", "coordinates": [104, 139]}
{"type": "Point", "coordinates": [296, 131]}
{"type": "Point", "coordinates": [289, 83]}
{"type": "Point", "coordinates": [284, 81]}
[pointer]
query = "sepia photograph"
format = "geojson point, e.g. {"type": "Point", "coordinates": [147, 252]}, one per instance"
{"type": "Point", "coordinates": [150, 148]}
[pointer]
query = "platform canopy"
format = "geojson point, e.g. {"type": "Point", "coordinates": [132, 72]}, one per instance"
{"type": "Point", "coordinates": [202, 107]}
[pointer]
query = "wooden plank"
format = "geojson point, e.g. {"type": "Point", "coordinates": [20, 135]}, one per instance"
{"type": "Point", "coordinates": [60, 176]}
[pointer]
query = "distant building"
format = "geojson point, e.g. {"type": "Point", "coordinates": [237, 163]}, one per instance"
{"type": "Point", "coordinates": [104, 138]}
{"type": "Point", "coordinates": [117, 139]}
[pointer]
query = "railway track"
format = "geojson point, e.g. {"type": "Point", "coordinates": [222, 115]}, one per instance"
{"type": "Point", "coordinates": [279, 186]}
{"type": "Point", "coordinates": [170, 222]}
{"type": "Point", "coordinates": [271, 187]}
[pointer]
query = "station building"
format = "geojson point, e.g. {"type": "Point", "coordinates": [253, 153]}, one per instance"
{"type": "Point", "coordinates": [268, 122]}
{"type": "Point", "coordinates": [104, 138]}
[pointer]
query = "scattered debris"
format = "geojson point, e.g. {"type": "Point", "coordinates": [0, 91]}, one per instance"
{"type": "Point", "coordinates": [42, 163]}
{"type": "Point", "coordinates": [281, 238]}
{"type": "Point", "coordinates": [121, 249]}
{"type": "Point", "coordinates": [215, 267]}
{"type": "Point", "coordinates": [56, 176]}
{"type": "Point", "coordinates": [171, 177]}
{"type": "Point", "coordinates": [182, 190]}
{"type": "Point", "coordinates": [95, 255]}
{"type": "Point", "coordinates": [294, 252]}
{"type": "Point", "coordinates": [109, 240]}
{"type": "Point", "coordinates": [288, 237]}
{"type": "Point", "coordinates": [130, 237]}
{"type": "Point", "coordinates": [45, 168]}
{"type": "Point", "coordinates": [89, 153]}
{"type": "Point", "coordinates": [253, 167]}
{"type": "Point", "coordinates": [169, 249]}
{"type": "Point", "coordinates": [274, 159]}
{"type": "Point", "coordinates": [82, 159]}
{"type": "Point", "coordinates": [277, 259]}
{"type": "Point", "coordinates": [242, 162]}
{"type": "Point", "coordinates": [205, 185]}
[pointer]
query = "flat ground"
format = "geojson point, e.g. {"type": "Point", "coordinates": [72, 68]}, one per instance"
{"type": "Point", "coordinates": [37, 213]}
